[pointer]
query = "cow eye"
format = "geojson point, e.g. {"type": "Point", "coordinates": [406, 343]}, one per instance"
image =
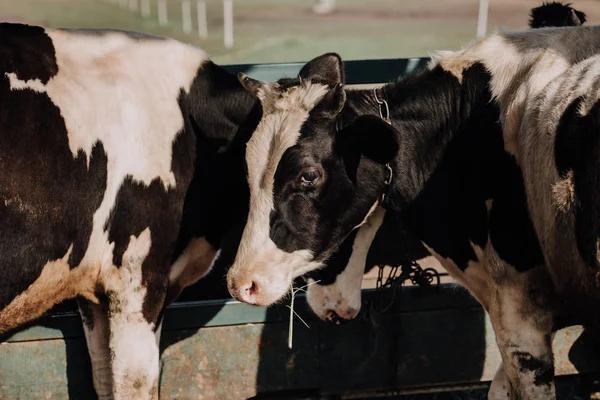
{"type": "Point", "coordinates": [309, 177]}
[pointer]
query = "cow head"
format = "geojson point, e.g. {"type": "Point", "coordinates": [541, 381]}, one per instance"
{"type": "Point", "coordinates": [311, 184]}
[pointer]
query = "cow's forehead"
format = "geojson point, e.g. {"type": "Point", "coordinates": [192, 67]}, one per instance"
{"type": "Point", "coordinates": [295, 99]}
{"type": "Point", "coordinates": [284, 113]}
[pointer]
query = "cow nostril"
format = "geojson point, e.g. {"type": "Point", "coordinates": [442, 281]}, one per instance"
{"type": "Point", "coordinates": [251, 289]}
{"type": "Point", "coordinates": [332, 316]}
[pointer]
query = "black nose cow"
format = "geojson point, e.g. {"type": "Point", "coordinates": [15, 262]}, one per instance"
{"type": "Point", "coordinates": [515, 199]}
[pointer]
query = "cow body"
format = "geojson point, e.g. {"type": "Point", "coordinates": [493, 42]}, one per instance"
{"type": "Point", "coordinates": [517, 227]}
{"type": "Point", "coordinates": [103, 136]}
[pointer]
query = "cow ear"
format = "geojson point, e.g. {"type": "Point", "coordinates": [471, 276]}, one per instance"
{"type": "Point", "coordinates": [371, 137]}
{"type": "Point", "coordinates": [333, 102]}
{"type": "Point", "coordinates": [327, 67]}
{"type": "Point", "coordinates": [258, 89]}
{"type": "Point", "coordinates": [250, 84]}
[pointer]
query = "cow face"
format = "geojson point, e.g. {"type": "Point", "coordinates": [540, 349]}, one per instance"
{"type": "Point", "coordinates": [310, 183]}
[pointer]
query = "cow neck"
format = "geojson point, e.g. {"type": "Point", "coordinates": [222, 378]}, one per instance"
{"type": "Point", "coordinates": [223, 116]}
{"type": "Point", "coordinates": [427, 109]}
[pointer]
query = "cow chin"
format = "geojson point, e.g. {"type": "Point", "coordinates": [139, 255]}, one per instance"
{"type": "Point", "coordinates": [266, 276]}
{"type": "Point", "coordinates": [333, 303]}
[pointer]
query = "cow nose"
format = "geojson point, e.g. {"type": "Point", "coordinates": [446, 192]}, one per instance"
{"type": "Point", "coordinates": [333, 317]}
{"type": "Point", "coordinates": [246, 292]}
{"type": "Point", "coordinates": [342, 317]}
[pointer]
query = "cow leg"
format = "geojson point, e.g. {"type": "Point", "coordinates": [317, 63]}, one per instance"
{"type": "Point", "coordinates": [522, 322]}
{"type": "Point", "coordinates": [133, 345]}
{"type": "Point", "coordinates": [135, 305]}
{"type": "Point", "coordinates": [95, 325]}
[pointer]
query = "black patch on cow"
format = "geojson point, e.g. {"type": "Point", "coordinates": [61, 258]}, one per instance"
{"type": "Point", "coordinates": [47, 195]}
{"type": "Point", "coordinates": [577, 149]}
{"type": "Point", "coordinates": [394, 243]}
{"type": "Point", "coordinates": [450, 142]}
{"type": "Point", "coordinates": [543, 369]}
{"type": "Point", "coordinates": [511, 230]}
{"type": "Point", "coordinates": [223, 116]}
{"type": "Point", "coordinates": [555, 14]}
{"type": "Point", "coordinates": [336, 264]}
{"type": "Point", "coordinates": [27, 51]}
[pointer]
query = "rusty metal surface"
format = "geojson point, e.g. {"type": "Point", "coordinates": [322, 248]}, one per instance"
{"type": "Point", "coordinates": [237, 362]}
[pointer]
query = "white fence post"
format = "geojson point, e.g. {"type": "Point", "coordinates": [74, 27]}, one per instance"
{"type": "Point", "coordinates": [145, 8]}
{"type": "Point", "coordinates": [202, 22]}
{"type": "Point", "coordinates": [162, 13]}
{"type": "Point", "coordinates": [228, 23]}
{"type": "Point", "coordinates": [186, 15]}
{"type": "Point", "coordinates": [482, 18]}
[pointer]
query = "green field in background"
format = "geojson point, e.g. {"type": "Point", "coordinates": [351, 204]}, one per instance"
{"type": "Point", "coordinates": [287, 30]}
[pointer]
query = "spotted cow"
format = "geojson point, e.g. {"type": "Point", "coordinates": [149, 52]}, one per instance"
{"type": "Point", "coordinates": [490, 157]}
{"type": "Point", "coordinates": [119, 151]}
{"type": "Point", "coordinates": [335, 291]}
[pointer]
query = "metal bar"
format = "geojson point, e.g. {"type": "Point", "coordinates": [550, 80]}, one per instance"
{"type": "Point", "coordinates": [186, 15]}
{"type": "Point", "coordinates": [202, 20]}
{"type": "Point", "coordinates": [227, 312]}
{"type": "Point", "coordinates": [228, 23]}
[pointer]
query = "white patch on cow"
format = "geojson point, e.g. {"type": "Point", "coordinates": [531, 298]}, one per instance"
{"type": "Point", "coordinates": [516, 76]}
{"type": "Point", "coordinates": [258, 258]}
{"type": "Point", "coordinates": [133, 345]}
{"type": "Point", "coordinates": [344, 295]}
{"type": "Point", "coordinates": [474, 278]}
{"type": "Point", "coordinates": [18, 84]}
{"type": "Point", "coordinates": [371, 211]}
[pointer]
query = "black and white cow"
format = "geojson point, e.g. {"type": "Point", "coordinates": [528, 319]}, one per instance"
{"type": "Point", "coordinates": [336, 296]}
{"type": "Point", "coordinates": [119, 153]}
{"type": "Point", "coordinates": [509, 207]}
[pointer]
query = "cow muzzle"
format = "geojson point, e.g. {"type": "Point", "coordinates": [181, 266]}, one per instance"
{"type": "Point", "coordinates": [261, 281]}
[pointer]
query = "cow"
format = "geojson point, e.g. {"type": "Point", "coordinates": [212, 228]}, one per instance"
{"type": "Point", "coordinates": [119, 152]}
{"type": "Point", "coordinates": [334, 293]}
{"type": "Point", "coordinates": [489, 157]}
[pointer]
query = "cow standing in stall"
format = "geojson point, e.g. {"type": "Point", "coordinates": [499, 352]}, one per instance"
{"type": "Point", "coordinates": [335, 291]}
{"type": "Point", "coordinates": [508, 208]}
{"type": "Point", "coordinates": [118, 153]}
